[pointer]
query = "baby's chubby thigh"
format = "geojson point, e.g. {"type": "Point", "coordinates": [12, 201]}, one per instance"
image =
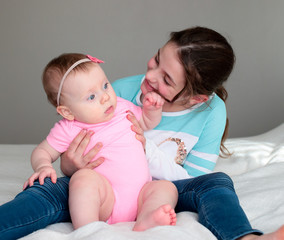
{"type": "Point", "coordinates": [94, 191]}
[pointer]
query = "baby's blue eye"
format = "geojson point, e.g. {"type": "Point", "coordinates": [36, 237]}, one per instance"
{"type": "Point", "coordinates": [106, 86]}
{"type": "Point", "coordinates": [91, 97]}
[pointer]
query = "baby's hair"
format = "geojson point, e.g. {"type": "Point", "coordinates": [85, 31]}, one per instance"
{"type": "Point", "coordinates": [56, 68]}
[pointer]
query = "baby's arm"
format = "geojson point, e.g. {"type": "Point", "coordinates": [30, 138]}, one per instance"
{"type": "Point", "coordinates": [42, 158]}
{"type": "Point", "coordinates": [152, 111]}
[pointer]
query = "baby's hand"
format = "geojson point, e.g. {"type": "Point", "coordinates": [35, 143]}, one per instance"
{"type": "Point", "coordinates": [41, 174]}
{"type": "Point", "coordinates": [153, 101]}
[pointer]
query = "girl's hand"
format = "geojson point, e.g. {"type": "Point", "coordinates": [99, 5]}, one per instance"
{"type": "Point", "coordinates": [41, 174]}
{"type": "Point", "coordinates": [74, 159]}
{"type": "Point", "coordinates": [136, 128]}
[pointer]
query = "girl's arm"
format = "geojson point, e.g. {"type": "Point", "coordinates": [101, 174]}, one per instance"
{"type": "Point", "coordinates": [41, 160]}
{"type": "Point", "coordinates": [203, 156]}
{"type": "Point", "coordinates": [152, 111]}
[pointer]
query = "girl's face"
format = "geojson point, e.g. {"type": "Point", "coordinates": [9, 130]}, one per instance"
{"type": "Point", "coordinates": [89, 96]}
{"type": "Point", "coordinates": [165, 74]}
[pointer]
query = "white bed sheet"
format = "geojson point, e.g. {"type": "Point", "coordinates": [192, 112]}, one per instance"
{"type": "Point", "coordinates": [256, 167]}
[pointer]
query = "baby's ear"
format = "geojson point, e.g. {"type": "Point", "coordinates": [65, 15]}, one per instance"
{"type": "Point", "coordinates": [65, 112]}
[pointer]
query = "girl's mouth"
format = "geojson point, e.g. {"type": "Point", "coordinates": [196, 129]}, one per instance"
{"type": "Point", "coordinates": [148, 86]}
{"type": "Point", "coordinates": [151, 89]}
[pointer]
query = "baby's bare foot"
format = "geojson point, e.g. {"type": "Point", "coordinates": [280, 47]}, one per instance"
{"type": "Point", "coordinates": [163, 215]}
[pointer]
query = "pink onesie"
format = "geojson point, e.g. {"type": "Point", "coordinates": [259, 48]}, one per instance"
{"type": "Point", "coordinates": [125, 164]}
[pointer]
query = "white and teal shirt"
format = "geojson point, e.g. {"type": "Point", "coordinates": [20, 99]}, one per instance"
{"type": "Point", "coordinates": [186, 143]}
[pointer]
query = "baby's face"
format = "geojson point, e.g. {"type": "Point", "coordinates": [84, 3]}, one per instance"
{"type": "Point", "coordinates": [89, 95]}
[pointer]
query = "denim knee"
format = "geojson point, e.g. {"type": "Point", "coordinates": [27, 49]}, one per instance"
{"type": "Point", "coordinates": [56, 194]}
{"type": "Point", "coordinates": [205, 183]}
{"type": "Point", "coordinates": [213, 197]}
{"type": "Point", "coordinates": [219, 180]}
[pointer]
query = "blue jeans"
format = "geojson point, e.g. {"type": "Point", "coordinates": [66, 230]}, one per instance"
{"type": "Point", "coordinates": [212, 196]}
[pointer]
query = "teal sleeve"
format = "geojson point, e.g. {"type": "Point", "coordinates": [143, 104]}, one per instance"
{"type": "Point", "coordinates": [202, 158]}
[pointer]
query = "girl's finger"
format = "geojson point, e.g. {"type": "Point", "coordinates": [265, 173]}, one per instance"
{"type": "Point", "coordinates": [77, 140]}
{"type": "Point", "coordinates": [95, 163]}
{"type": "Point", "coordinates": [132, 118]}
{"type": "Point", "coordinates": [92, 153]}
{"type": "Point", "coordinates": [84, 143]}
{"type": "Point", "coordinates": [141, 139]}
{"type": "Point", "coordinates": [137, 130]}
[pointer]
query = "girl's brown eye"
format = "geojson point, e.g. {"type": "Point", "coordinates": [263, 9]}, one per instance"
{"type": "Point", "coordinates": [166, 82]}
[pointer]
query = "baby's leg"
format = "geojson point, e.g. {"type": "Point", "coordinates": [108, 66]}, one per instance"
{"type": "Point", "coordinates": [91, 197]}
{"type": "Point", "coordinates": [156, 204]}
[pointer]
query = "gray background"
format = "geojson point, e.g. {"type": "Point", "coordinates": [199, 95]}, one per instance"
{"type": "Point", "coordinates": [126, 33]}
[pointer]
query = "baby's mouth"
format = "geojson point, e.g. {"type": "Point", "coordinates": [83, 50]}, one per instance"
{"type": "Point", "coordinates": [109, 110]}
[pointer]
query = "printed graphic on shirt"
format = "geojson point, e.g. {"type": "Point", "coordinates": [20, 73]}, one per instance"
{"type": "Point", "coordinates": [181, 151]}
{"type": "Point", "coordinates": [173, 144]}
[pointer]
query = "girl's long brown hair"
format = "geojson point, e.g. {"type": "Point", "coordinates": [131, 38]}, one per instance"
{"type": "Point", "coordinates": [208, 60]}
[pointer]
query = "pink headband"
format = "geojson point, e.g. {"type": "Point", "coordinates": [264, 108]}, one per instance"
{"type": "Point", "coordinates": [88, 59]}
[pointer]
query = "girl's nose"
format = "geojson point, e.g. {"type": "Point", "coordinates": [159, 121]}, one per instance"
{"type": "Point", "coordinates": [152, 75]}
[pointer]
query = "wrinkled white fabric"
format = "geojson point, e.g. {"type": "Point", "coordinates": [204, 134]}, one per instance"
{"type": "Point", "coordinates": [256, 167]}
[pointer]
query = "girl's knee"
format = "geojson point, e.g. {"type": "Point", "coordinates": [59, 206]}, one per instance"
{"type": "Point", "coordinates": [213, 181]}
{"type": "Point", "coordinates": [222, 179]}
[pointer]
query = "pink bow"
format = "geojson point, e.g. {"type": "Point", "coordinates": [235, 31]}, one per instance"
{"type": "Point", "coordinates": [93, 59]}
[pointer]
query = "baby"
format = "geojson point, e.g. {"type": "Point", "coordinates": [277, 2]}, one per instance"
{"type": "Point", "coordinates": [121, 188]}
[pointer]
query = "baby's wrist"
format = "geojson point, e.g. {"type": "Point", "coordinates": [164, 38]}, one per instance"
{"type": "Point", "coordinates": [43, 166]}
